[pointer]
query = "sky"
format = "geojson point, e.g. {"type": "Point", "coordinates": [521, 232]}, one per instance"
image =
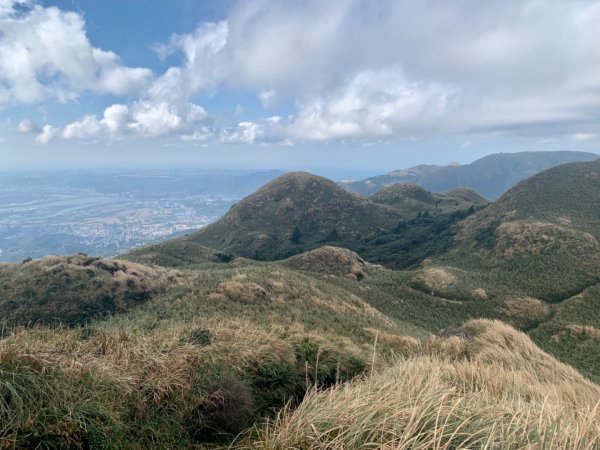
{"type": "Point", "coordinates": [361, 86]}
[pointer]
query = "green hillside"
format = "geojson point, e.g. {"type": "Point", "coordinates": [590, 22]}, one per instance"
{"type": "Point", "coordinates": [541, 236]}
{"type": "Point", "coordinates": [178, 345]}
{"type": "Point", "coordinates": [398, 227]}
{"type": "Point", "coordinates": [75, 289]}
{"type": "Point", "coordinates": [178, 252]}
{"type": "Point", "coordinates": [412, 200]}
{"type": "Point", "coordinates": [294, 213]}
{"type": "Point", "coordinates": [536, 252]}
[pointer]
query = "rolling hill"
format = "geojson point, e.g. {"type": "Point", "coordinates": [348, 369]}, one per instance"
{"type": "Point", "coordinates": [183, 346]}
{"type": "Point", "coordinates": [398, 227]}
{"type": "Point", "coordinates": [543, 233]}
{"type": "Point", "coordinates": [490, 176]}
{"type": "Point", "coordinates": [296, 212]}
{"type": "Point", "coordinates": [413, 200]}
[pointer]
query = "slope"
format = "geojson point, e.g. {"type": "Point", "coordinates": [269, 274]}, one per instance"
{"type": "Point", "coordinates": [494, 389]}
{"type": "Point", "coordinates": [295, 212]}
{"type": "Point", "coordinates": [216, 349]}
{"type": "Point", "coordinates": [541, 237]}
{"type": "Point", "coordinates": [413, 200]}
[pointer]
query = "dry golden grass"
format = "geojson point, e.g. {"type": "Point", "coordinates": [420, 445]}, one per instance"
{"type": "Point", "coordinates": [433, 279]}
{"type": "Point", "coordinates": [497, 390]}
{"type": "Point", "coordinates": [526, 308]}
{"type": "Point", "coordinates": [578, 331]}
{"type": "Point", "coordinates": [479, 294]}
{"type": "Point", "coordinates": [517, 239]}
{"type": "Point", "coordinates": [332, 261]}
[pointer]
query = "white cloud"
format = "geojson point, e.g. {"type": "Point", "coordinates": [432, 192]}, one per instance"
{"type": "Point", "coordinates": [202, 70]}
{"type": "Point", "coordinates": [354, 69]}
{"type": "Point", "coordinates": [582, 137]}
{"type": "Point", "coordinates": [267, 98]}
{"type": "Point", "coordinates": [46, 54]}
{"type": "Point", "coordinates": [48, 133]}
{"type": "Point", "coordinates": [28, 126]}
{"type": "Point", "coordinates": [522, 66]}
{"type": "Point", "coordinates": [270, 130]}
{"type": "Point", "coordinates": [374, 103]}
{"type": "Point", "coordinates": [143, 119]}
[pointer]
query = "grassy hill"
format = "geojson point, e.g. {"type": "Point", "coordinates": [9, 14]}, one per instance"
{"type": "Point", "coordinates": [413, 200]}
{"type": "Point", "coordinates": [178, 345]}
{"type": "Point", "coordinates": [541, 236]}
{"type": "Point", "coordinates": [493, 390]}
{"type": "Point", "coordinates": [74, 289]}
{"type": "Point", "coordinates": [294, 213]}
{"type": "Point", "coordinates": [398, 227]}
{"type": "Point", "coordinates": [491, 175]}
{"type": "Point", "coordinates": [227, 345]}
{"type": "Point", "coordinates": [179, 252]}
{"type": "Point", "coordinates": [199, 361]}
{"type": "Point", "coordinates": [536, 253]}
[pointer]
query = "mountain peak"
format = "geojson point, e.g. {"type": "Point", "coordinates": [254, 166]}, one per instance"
{"type": "Point", "coordinates": [297, 211]}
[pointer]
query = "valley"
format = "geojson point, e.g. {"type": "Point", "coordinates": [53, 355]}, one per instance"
{"type": "Point", "coordinates": [107, 212]}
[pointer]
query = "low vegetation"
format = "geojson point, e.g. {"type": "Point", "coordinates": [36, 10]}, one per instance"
{"type": "Point", "coordinates": [413, 200]}
{"type": "Point", "coordinates": [181, 346]}
{"type": "Point", "coordinates": [492, 389]}
{"type": "Point", "coordinates": [74, 289]}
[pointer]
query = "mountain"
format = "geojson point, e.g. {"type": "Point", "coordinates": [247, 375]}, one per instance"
{"type": "Point", "coordinates": [535, 253]}
{"type": "Point", "coordinates": [413, 200]}
{"type": "Point", "coordinates": [397, 227]}
{"type": "Point", "coordinates": [295, 212]}
{"type": "Point", "coordinates": [126, 353]}
{"type": "Point", "coordinates": [490, 176]}
{"type": "Point", "coordinates": [544, 232]}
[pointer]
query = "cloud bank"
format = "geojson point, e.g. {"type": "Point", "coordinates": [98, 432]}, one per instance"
{"type": "Point", "coordinates": [349, 69]}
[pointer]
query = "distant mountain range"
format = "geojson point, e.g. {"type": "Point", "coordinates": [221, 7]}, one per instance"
{"type": "Point", "coordinates": [490, 176]}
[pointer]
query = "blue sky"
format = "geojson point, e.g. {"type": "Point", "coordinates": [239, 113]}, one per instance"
{"type": "Point", "coordinates": [354, 86]}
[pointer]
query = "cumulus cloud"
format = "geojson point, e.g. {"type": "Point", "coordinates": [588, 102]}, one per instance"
{"type": "Point", "coordinates": [28, 126]}
{"type": "Point", "coordinates": [374, 103]}
{"type": "Point", "coordinates": [349, 69]}
{"type": "Point", "coordinates": [166, 109]}
{"type": "Point", "coordinates": [203, 69]}
{"type": "Point", "coordinates": [357, 68]}
{"type": "Point", "coordinates": [46, 54]}
{"type": "Point", "coordinates": [144, 119]}
{"type": "Point", "coordinates": [48, 133]}
{"type": "Point", "coordinates": [269, 131]}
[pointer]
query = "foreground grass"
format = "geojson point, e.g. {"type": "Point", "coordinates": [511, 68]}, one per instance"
{"type": "Point", "coordinates": [497, 390]}
{"type": "Point", "coordinates": [175, 387]}
{"type": "Point", "coordinates": [197, 364]}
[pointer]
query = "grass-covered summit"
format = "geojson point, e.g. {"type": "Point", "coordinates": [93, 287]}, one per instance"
{"type": "Point", "coordinates": [542, 234]}
{"type": "Point", "coordinates": [296, 212]}
{"type": "Point", "coordinates": [412, 200]}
